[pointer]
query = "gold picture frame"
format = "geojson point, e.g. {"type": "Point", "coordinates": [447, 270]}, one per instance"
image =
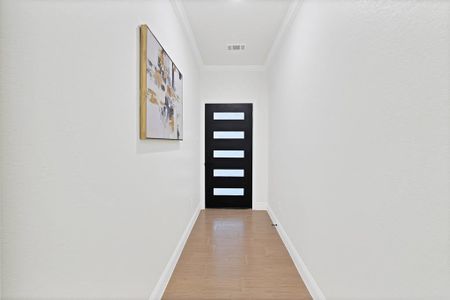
{"type": "Point", "coordinates": [161, 91]}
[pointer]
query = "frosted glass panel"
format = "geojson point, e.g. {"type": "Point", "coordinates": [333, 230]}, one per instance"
{"type": "Point", "coordinates": [229, 116]}
{"type": "Point", "coordinates": [228, 192]}
{"type": "Point", "coordinates": [228, 173]}
{"type": "Point", "coordinates": [229, 134]}
{"type": "Point", "coordinates": [228, 153]}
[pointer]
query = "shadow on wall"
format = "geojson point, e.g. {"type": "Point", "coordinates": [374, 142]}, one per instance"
{"type": "Point", "coordinates": [149, 145]}
{"type": "Point", "coordinates": [155, 146]}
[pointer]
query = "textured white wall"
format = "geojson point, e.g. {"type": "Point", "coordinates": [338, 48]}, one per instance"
{"type": "Point", "coordinates": [240, 85]}
{"type": "Point", "coordinates": [89, 211]}
{"type": "Point", "coordinates": [359, 146]}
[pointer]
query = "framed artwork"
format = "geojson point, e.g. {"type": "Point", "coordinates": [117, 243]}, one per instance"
{"type": "Point", "coordinates": [161, 91]}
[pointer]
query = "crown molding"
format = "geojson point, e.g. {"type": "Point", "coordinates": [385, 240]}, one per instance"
{"type": "Point", "coordinates": [181, 14]}
{"type": "Point", "coordinates": [290, 15]}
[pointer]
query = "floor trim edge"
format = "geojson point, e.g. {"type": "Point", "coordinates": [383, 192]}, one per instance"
{"type": "Point", "coordinates": [307, 277]}
{"type": "Point", "coordinates": [259, 206]}
{"type": "Point", "coordinates": [160, 287]}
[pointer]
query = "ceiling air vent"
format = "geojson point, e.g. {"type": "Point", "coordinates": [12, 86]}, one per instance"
{"type": "Point", "coordinates": [236, 47]}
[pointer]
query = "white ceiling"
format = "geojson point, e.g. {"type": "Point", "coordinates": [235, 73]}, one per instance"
{"type": "Point", "coordinates": [216, 23]}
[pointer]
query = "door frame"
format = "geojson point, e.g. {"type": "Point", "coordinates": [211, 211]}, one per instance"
{"type": "Point", "coordinates": [246, 182]}
{"type": "Point", "coordinates": [202, 144]}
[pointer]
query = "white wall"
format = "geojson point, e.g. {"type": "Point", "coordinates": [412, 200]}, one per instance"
{"type": "Point", "coordinates": [89, 211]}
{"type": "Point", "coordinates": [240, 85]}
{"type": "Point", "coordinates": [359, 146]}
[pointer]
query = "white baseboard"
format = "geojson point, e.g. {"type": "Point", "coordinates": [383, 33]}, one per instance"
{"type": "Point", "coordinates": [160, 287]}
{"type": "Point", "coordinates": [307, 277]}
{"type": "Point", "coordinates": [259, 206]}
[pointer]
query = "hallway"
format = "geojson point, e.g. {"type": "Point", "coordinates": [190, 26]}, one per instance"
{"type": "Point", "coordinates": [235, 254]}
{"type": "Point", "coordinates": [147, 146]}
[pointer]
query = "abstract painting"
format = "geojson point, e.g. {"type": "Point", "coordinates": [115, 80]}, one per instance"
{"type": "Point", "coordinates": [161, 91]}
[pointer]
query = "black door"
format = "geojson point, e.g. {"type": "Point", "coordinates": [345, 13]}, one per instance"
{"type": "Point", "coordinates": [228, 155]}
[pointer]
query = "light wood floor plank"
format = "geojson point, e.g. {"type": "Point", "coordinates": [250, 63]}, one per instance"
{"type": "Point", "coordinates": [235, 254]}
